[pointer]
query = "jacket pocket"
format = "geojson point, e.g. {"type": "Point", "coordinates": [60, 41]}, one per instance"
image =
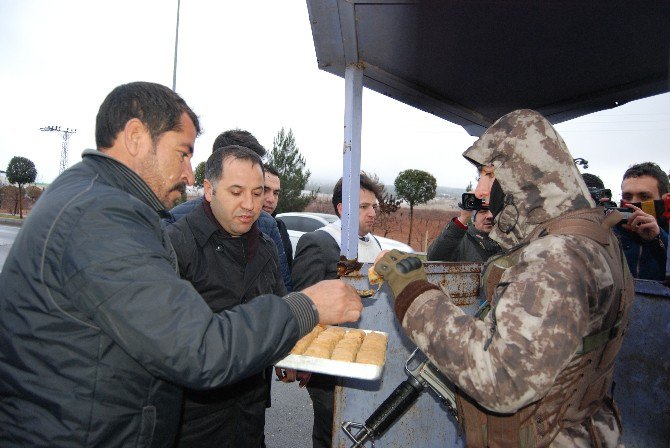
{"type": "Point", "coordinates": [148, 426]}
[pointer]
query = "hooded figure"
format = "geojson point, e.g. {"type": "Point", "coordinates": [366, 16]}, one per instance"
{"type": "Point", "coordinates": [536, 369]}
{"type": "Point", "coordinates": [535, 171]}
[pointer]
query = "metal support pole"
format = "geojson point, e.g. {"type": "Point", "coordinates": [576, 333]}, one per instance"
{"type": "Point", "coordinates": [353, 95]}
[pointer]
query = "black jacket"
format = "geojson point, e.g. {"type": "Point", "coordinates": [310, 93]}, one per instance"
{"type": "Point", "coordinates": [457, 244]}
{"type": "Point", "coordinates": [216, 264]}
{"type": "Point", "coordinates": [316, 257]}
{"type": "Point", "coordinates": [226, 271]}
{"type": "Point", "coordinates": [266, 223]}
{"type": "Point", "coordinates": [98, 334]}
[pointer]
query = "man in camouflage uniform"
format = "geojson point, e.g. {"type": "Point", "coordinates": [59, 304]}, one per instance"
{"type": "Point", "coordinates": [536, 369]}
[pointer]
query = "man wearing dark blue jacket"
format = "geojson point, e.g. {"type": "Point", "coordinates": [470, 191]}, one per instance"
{"type": "Point", "coordinates": [644, 241]}
{"type": "Point", "coordinates": [98, 334]}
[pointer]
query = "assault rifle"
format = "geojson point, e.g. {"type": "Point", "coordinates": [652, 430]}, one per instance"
{"type": "Point", "coordinates": [422, 375]}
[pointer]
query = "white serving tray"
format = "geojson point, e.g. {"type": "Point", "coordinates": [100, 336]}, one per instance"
{"type": "Point", "coordinates": [331, 367]}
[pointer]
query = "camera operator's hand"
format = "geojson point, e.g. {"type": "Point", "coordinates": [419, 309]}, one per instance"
{"type": "Point", "coordinates": [641, 223]}
{"type": "Point", "coordinates": [399, 269]}
{"type": "Point", "coordinates": [464, 217]}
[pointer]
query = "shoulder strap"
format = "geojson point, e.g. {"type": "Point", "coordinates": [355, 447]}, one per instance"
{"type": "Point", "coordinates": [375, 238]}
{"type": "Point", "coordinates": [584, 222]}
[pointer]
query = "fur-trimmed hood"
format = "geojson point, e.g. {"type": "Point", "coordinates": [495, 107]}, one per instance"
{"type": "Point", "coordinates": [535, 170]}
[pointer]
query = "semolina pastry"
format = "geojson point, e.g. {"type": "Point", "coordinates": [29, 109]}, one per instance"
{"type": "Point", "coordinates": [373, 277]}
{"type": "Point", "coordinates": [342, 344]}
{"type": "Point", "coordinates": [303, 343]}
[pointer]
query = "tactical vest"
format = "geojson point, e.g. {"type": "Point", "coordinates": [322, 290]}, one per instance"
{"type": "Point", "coordinates": [582, 387]}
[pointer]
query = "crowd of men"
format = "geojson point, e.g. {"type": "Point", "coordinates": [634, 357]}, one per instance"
{"type": "Point", "coordinates": [126, 322]}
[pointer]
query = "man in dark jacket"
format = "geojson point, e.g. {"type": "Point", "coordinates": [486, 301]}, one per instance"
{"type": "Point", "coordinates": [229, 261]}
{"type": "Point", "coordinates": [266, 222]}
{"type": "Point", "coordinates": [644, 241]}
{"type": "Point", "coordinates": [270, 200]}
{"type": "Point", "coordinates": [98, 334]}
{"type": "Point", "coordinates": [316, 257]}
{"type": "Point", "coordinates": [460, 241]}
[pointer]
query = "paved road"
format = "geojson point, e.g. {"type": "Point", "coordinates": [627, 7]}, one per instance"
{"type": "Point", "coordinates": [288, 423]}
{"type": "Point", "coordinates": [7, 235]}
{"type": "Point", "coordinates": [289, 420]}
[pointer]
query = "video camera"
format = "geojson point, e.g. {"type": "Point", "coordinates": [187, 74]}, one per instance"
{"type": "Point", "coordinates": [602, 196]}
{"type": "Point", "coordinates": [471, 202]}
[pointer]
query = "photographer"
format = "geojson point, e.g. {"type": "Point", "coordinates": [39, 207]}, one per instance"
{"type": "Point", "coordinates": [460, 241]}
{"type": "Point", "coordinates": [644, 241]}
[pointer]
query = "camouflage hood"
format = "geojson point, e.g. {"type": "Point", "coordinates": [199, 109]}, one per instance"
{"type": "Point", "coordinates": [535, 170]}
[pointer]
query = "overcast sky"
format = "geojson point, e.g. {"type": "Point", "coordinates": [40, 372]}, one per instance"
{"type": "Point", "coordinates": [248, 65]}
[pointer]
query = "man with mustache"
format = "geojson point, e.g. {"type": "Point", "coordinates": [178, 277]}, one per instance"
{"type": "Point", "coordinates": [229, 261]}
{"type": "Point", "coordinates": [460, 241]}
{"type": "Point", "coordinates": [98, 334]}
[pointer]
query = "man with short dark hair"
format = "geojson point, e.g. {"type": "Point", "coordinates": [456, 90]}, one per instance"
{"type": "Point", "coordinates": [239, 137]}
{"type": "Point", "coordinates": [222, 252]}
{"type": "Point", "coordinates": [267, 223]}
{"type": "Point", "coordinates": [465, 238]}
{"type": "Point", "coordinates": [270, 200]}
{"type": "Point", "coordinates": [316, 257]}
{"type": "Point", "coordinates": [644, 241]}
{"type": "Point", "coordinates": [98, 334]}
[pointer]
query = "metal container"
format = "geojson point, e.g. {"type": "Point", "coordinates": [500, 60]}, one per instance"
{"type": "Point", "coordinates": [642, 371]}
{"type": "Point", "coordinates": [427, 424]}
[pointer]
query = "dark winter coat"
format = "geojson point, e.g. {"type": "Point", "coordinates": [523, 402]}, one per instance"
{"type": "Point", "coordinates": [646, 259]}
{"type": "Point", "coordinates": [458, 244]}
{"type": "Point", "coordinates": [226, 271]}
{"type": "Point", "coordinates": [98, 334]}
{"type": "Point", "coordinates": [266, 223]}
{"type": "Point", "coordinates": [316, 257]}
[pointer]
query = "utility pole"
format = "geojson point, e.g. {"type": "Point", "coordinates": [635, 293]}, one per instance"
{"type": "Point", "coordinates": [176, 47]}
{"type": "Point", "coordinates": [66, 136]}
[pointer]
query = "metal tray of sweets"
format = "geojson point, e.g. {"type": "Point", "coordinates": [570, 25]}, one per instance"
{"type": "Point", "coordinates": [332, 367]}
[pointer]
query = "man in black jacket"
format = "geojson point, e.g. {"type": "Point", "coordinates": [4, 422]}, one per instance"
{"type": "Point", "coordinates": [465, 238]}
{"type": "Point", "coordinates": [222, 252]}
{"type": "Point", "coordinates": [266, 222]}
{"type": "Point", "coordinates": [316, 259]}
{"type": "Point", "coordinates": [98, 334]}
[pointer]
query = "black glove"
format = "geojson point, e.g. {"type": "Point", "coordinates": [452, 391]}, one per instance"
{"type": "Point", "coordinates": [399, 270]}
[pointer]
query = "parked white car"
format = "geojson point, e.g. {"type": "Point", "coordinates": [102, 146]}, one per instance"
{"type": "Point", "coordinates": [298, 223]}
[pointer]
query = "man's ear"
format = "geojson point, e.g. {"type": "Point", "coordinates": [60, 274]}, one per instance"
{"type": "Point", "coordinates": [339, 209]}
{"type": "Point", "coordinates": [209, 190]}
{"type": "Point", "coordinates": [135, 137]}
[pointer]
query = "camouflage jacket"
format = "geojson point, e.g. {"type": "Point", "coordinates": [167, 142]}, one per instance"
{"type": "Point", "coordinates": [558, 292]}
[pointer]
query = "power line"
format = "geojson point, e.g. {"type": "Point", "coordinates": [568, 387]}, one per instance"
{"type": "Point", "coordinates": [66, 137]}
